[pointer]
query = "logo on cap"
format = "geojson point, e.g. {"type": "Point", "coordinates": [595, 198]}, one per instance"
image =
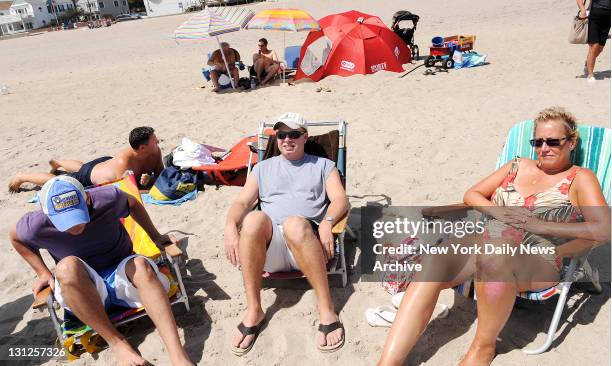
{"type": "Point", "coordinates": [65, 201]}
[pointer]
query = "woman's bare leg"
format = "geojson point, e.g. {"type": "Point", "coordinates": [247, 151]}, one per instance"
{"type": "Point", "coordinates": [500, 278]}
{"type": "Point", "coordinates": [419, 302]}
{"type": "Point", "coordinates": [37, 178]}
{"type": "Point", "coordinates": [71, 166]}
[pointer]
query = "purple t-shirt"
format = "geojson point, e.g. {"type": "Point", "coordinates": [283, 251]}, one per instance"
{"type": "Point", "coordinates": [103, 243]}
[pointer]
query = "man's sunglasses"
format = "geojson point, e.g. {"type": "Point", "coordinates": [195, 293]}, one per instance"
{"type": "Point", "coordinates": [294, 134]}
{"type": "Point", "coordinates": [549, 142]}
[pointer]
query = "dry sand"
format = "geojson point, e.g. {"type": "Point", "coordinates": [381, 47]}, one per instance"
{"type": "Point", "coordinates": [419, 140]}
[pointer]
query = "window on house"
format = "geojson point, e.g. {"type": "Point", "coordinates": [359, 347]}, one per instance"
{"type": "Point", "coordinates": [116, 3]}
{"type": "Point", "coordinates": [180, 6]}
{"type": "Point", "coordinates": [124, 3]}
{"type": "Point", "coordinates": [49, 9]}
{"type": "Point", "coordinates": [69, 6]}
{"type": "Point", "coordinates": [39, 8]}
{"type": "Point", "coordinates": [101, 5]}
{"type": "Point", "coordinates": [44, 22]}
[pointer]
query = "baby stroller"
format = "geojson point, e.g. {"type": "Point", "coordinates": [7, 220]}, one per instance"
{"type": "Point", "coordinates": [406, 34]}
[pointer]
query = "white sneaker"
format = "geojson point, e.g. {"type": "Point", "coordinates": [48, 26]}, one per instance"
{"type": "Point", "coordinates": [591, 80]}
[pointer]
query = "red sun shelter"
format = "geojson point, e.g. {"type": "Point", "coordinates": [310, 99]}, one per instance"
{"type": "Point", "coordinates": [351, 43]}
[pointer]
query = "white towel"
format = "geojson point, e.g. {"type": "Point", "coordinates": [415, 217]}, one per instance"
{"type": "Point", "coordinates": [190, 154]}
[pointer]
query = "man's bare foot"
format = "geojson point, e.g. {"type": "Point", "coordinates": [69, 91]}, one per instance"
{"type": "Point", "coordinates": [126, 355]}
{"type": "Point", "coordinates": [54, 166]}
{"type": "Point", "coordinates": [15, 183]}
{"type": "Point", "coordinates": [216, 90]}
{"type": "Point", "coordinates": [334, 337]}
{"type": "Point", "coordinates": [250, 319]}
{"type": "Point", "coordinates": [478, 356]}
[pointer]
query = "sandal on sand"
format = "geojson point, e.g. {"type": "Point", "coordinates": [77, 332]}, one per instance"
{"type": "Point", "coordinates": [382, 316]}
{"type": "Point", "coordinates": [328, 328]}
{"type": "Point", "coordinates": [247, 331]}
{"type": "Point", "coordinates": [396, 300]}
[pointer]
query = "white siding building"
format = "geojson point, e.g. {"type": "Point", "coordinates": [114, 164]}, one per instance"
{"type": "Point", "coordinates": [25, 15]}
{"type": "Point", "coordinates": [156, 8]}
{"type": "Point", "coordinates": [101, 8]}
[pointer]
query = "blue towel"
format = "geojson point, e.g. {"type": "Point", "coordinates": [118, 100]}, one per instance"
{"type": "Point", "coordinates": [146, 198]}
{"type": "Point", "coordinates": [471, 59]}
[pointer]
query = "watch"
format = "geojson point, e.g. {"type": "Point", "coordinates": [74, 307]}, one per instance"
{"type": "Point", "coordinates": [329, 218]}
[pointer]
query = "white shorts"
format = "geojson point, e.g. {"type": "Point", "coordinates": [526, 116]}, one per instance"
{"type": "Point", "coordinates": [278, 257]}
{"type": "Point", "coordinates": [113, 285]}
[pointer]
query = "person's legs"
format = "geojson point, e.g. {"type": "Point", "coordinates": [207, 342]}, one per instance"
{"type": "Point", "coordinates": [71, 166]}
{"type": "Point", "coordinates": [214, 77]}
{"type": "Point", "coordinates": [271, 71]}
{"type": "Point", "coordinates": [235, 76]}
{"type": "Point", "coordinates": [80, 295]}
{"type": "Point", "coordinates": [419, 301]}
{"type": "Point", "coordinates": [255, 234]}
{"type": "Point", "coordinates": [499, 278]}
{"type": "Point", "coordinates": [308, 253]}
{"type": "Point", "coordinates": [36, 178]}
{"type": "Point", "coordinates": [155, 301]}
{"type": "Point", "coordinates": [594, 51]}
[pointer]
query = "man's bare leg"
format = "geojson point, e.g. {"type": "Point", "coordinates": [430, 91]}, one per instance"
{"type": "Point", "coordinates": [80, 295]}
{"type": "Point", "coordinates": [235, 76]}
{"type": "Point", "coordinates": [271, 72]}
{"type": "Point", "coordinates": [155, 301]}
{"type": "Point", "coordinates": [214, 77]}
{"type": "Point", "coordinates": [256, 232]}
{"type": "Point", "coordinates": [71, 166]}
{"type": "Point", "coordinates": [37, 178]}
{"type": "Point", "coordinates": [309, 256]}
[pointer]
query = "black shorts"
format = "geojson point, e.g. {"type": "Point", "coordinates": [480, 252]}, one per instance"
{"type": "Point", "coordinates": [599, 26]}
{"type": "Point", "coordinates": [84, 174]}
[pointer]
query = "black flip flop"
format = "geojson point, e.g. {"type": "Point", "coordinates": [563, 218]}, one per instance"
{"type": "Point", "coordinates": [328, 328]}
{"type": "Point", "coordinates": [246, 331]}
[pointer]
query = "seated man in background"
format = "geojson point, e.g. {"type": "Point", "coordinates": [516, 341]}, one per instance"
{"type": "Point", "coordinates": [144, 159]}
{"type": "Point", "coordinates": [302, 197]}
{"type": "Point", "coordinates": [216, 60]}
{"type": "Point", "coordinates": [265, 62]}
{"type": "Point", "coordinates": [96, 267]}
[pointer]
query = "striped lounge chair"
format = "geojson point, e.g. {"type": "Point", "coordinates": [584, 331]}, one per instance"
{"type": "Point", "coordinates": [593, 152]}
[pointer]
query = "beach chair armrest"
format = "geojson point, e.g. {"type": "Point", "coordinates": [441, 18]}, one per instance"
{"type": "Point", "coordinates": [173, 251]}
{"type": "Point", "coordinates": [40, 301]}
{"type": "Point", "coordinates": [448, 211]}
{"type": "Point", "coordinates": [340, 225]}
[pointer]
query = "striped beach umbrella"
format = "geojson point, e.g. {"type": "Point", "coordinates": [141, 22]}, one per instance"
{"type": "Point", "coordinates": [290, 20]}
{"type": "Point", "coordinates": [212, 22]}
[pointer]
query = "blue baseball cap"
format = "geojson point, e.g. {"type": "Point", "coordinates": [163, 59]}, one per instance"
{"type": "Point", "coordinates": [64, 201]}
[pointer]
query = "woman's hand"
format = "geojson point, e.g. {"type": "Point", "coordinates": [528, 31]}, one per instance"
{"type": "Point", "coordinates": [582, 14]}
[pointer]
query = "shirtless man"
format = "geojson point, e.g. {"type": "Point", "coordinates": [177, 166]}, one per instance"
{"type": "Point", "coordinates": [265, 61]}
{"type": "Point", "coordinates": [143, 158]}
{"type": "Point", "coordinates": [231, 56]}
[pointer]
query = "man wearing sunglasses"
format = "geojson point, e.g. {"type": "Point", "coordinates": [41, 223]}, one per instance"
{"type": "Point", "coordinates": [301, 198]}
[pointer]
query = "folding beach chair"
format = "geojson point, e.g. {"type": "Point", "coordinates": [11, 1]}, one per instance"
{"type": "Point", "coordinates": [232, 167]}
{"type": "Point", "coordinates": [77, 338]}
{"type": "Point", "coordinates": [331, 145]}
{"type": "Point", "coordinates": [291, 60]}
{"type": "Point", "coordinates": [593, 152]}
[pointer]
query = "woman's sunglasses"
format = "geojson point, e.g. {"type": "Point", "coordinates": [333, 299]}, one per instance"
{"type": "Point", "coordinates": [549, 142]}
{"type": "Point", "coordinates": [295, 134]}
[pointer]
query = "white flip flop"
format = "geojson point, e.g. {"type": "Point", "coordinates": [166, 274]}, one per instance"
{"type": "Point", "coordinates": [382, 316]}
{"type": "Point", "coordinates": [396, 300]}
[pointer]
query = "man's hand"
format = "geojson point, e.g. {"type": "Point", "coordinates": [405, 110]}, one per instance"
{"type": "Point", "coordinates": [42, 282]}
{"type": "Point", "coordinates": [327, 239]}
{"type": "Point", "coordinates": [230, 241]}
{"type": "Point", "coordinates": [162, 240]}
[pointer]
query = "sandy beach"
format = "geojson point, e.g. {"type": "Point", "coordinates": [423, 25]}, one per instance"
{"type": "Point", "coordinates": [416, 140]}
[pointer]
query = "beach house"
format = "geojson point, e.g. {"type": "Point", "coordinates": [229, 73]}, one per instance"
{"type": "Point", "coordinates": [25, 15]}
{"type": "Point", "coordinates": [94, 9]}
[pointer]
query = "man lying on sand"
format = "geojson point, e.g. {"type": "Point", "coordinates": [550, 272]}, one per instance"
{"type": "Point", "coordinates": [143, 158]}
{"type": "Point", "coordinates": [95, 265]}
{"type": "Point", "coordinates": [293, 230]}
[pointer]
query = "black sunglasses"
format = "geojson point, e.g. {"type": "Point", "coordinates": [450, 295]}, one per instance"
{"type": "Point", "coordinates": [294, 134]}
{"type": "Point", "coordinates": [549, 142]}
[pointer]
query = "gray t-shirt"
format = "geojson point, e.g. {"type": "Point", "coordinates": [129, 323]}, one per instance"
{"type": "Point", "coordinates": [293, 187]}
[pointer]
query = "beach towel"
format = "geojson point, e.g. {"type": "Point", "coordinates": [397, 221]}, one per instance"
{"type": "Point", "coordinates": [469, 59]}
{"type": "Point", "coordinates": [146, 198]}
{"type": "Point", "coordinates": [189, 154]}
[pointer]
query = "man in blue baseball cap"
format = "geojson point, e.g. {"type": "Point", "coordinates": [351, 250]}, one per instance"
{"type": "Point", "coordinates": [96, 267]}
